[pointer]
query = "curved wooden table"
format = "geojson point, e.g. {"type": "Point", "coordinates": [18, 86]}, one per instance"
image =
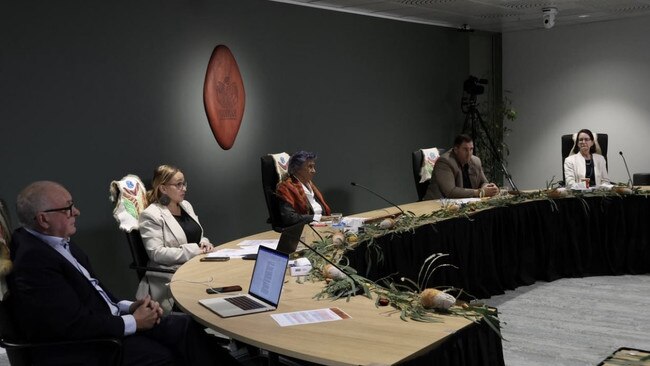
{"type": "Point", "coordinates": [499, 248]}
{"type": "Point", "coordinates": [371, 336]}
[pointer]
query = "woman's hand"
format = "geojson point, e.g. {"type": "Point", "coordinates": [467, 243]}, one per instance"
{"type": "Point", "coordinates": [206, 247]}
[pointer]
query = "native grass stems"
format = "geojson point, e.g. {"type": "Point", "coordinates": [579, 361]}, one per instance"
{"type": "Point", "coordinates": [404, 297]}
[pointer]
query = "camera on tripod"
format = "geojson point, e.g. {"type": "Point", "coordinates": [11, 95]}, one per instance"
{"type": "Point", "coordinates": [472, 85]}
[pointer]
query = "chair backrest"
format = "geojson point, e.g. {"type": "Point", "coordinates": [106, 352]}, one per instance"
{"type": "Point", "coordinates": [417, 158]}
{"type": "Point", "coordinates": [130, 197]}
{"type": "Point", "coordinates": [139, 256]}
{"type": "Point", "coordinates": [7, 329]}
{"type": "Point", "coordinates": [9, 337]}
{"type": "Point", "coordinates": [138, 253]}
{"type": "Point", "coordinates": [5, 242]}
{"type": "Point", "coordinates": [270, 179]}
{"type": "Point", "coordinates": [641, 179]}
{"type": "Point", "coordinates": [5, 222]}
{"type": "Point", "coordinates": [568, 142]}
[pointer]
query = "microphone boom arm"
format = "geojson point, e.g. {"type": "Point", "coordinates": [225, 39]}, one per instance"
{"type": "Point", "coordinates": [382, 198]}
{"type": "Point", "coordinates": [357, 285]}
{"type": "Point", "coordinates": [629, 177]}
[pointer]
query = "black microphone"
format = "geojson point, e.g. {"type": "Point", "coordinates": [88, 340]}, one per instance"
{"type": "Point", "coordinates": [358, 286]}
{"type": "Point", "coordinates": [376, 194]}
{"type": "Point", "coordinates": [317, 233]}
{"type": "Point", "coordinates": [629, 177]}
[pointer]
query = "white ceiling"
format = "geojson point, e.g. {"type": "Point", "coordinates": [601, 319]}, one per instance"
{"type": "Point", "coordinates": [487, 15]}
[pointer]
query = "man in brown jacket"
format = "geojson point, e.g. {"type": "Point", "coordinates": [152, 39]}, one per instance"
{"type": "Point", "coordinates": [459, 174]}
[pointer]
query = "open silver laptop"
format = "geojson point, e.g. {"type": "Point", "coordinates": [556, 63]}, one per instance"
{"type": "Point", "coordinates": [264, 290]}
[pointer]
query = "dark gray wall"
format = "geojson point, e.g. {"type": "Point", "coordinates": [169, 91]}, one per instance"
{"type": "Point", "coordinates": [91, 91]}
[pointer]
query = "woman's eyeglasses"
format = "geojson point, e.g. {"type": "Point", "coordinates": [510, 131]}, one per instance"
{"type": "Point", "coordinates": [179, 185]}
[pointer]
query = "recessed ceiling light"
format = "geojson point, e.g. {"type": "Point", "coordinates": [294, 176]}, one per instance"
{"type": "Point", "coordinates": [584, 16]}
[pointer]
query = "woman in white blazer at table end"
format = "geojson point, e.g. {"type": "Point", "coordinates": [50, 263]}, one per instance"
{"type": "Point", "coordinates": [171, 232]}
{"type": "Point", "coordinates": [585, 163]}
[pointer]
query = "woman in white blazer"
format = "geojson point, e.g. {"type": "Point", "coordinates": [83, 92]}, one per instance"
{"type": "Point", "coordinates": [585, 162]}
{"type": "Point", "coordinates": [171, 232]}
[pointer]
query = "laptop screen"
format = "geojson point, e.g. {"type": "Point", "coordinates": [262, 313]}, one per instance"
{"type": "Point", "coordinates": [290, 238]}
{"type": "Point", "coordinates": [268, 275]}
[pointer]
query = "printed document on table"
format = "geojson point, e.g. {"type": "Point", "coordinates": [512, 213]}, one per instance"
{"type": "Point", "coordinates": [310, 316]}
{"type": "Point", "coordinates": [458, 201]}
{"type": "Point", "coordinates": [245, 247]}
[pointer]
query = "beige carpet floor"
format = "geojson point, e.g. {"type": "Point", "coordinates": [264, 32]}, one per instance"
{"type": "Point", "coordinates": [574, 321]}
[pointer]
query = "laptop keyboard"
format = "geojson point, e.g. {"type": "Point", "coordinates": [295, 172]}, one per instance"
{"type": "Point", "coordinates": [244, 302]}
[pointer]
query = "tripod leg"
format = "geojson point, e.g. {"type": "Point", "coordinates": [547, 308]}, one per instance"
{"type": "Point", "coordinates": [468, 126]}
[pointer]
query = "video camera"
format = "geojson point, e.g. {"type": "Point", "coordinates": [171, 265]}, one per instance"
{"type": "Point", "coordinates": [472, 85]}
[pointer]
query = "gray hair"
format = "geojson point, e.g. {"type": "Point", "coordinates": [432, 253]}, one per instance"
{"type": "Point", "coordinates": [298, 159]}
{"type": "Point", "coordinates": [32, 200]}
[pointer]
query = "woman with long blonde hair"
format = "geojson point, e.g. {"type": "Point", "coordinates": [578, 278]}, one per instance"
{"type": "Point", "coordinates": [170, 230]}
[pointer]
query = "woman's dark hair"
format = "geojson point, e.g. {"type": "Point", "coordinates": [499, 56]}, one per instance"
{"type": "Point", "coordinates": [591, 136]}
{"type": "Point", "coordinates": [298, 159]}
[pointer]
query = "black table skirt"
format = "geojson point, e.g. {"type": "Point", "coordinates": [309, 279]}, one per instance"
{"type": "Point", "coordinates": [506, 247]}
{"type": "Point", "coordinates": [474, 345]}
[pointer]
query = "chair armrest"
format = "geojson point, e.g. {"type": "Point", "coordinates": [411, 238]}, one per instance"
{"type": "Point", "coordinates": [15, 350]}
{"type": "Point", "coordinates": [152, 269]}
{"type": "Point", "coordinates": [109, 341]}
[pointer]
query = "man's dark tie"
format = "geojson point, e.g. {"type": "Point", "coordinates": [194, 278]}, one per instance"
{"type": "Point", "coordinates": [466, 182]}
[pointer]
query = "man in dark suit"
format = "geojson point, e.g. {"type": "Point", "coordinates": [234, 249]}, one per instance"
{"type": "Point", "coordinates": [459, 174]}
{"type": "Point", "coordinates": [56, 296]}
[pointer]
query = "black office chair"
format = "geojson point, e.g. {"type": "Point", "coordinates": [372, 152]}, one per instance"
{"type": "Point", "coordinates": [641, 179]}
{"type": "Point", "coordinates": [417, 157]}
{"type": "Point", "coordinates": [568, 142]}
{"type": "Point", "coordinates": [139, 256]}
{"type": "Point", "coordinates": [270, 181]}
{"type": "Point", "coordinates": [5, 240]}
{"type": "Point", "coordinates": [5, 222]}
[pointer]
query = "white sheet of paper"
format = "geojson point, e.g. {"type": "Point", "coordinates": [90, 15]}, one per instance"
{"type": "Point", "coordinates": [245, 247]}
{"type": "Point", "coordinates": [271, 243]}
{"type": "Point", "coordinates": [309, 316]}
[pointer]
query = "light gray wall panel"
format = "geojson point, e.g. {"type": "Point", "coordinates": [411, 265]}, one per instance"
{"type": "Point", "coordinates": [592, 76]}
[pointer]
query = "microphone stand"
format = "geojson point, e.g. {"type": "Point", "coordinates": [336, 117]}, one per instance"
{"type": "Point", "coordinates": [357, 285]}
{"type": "Point", "coordinates": [629, 177]}
{"type": "Point", "coordinates": [377, 194]}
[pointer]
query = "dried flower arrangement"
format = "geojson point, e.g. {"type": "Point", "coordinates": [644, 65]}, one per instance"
{"type": "Point", "coordinates": [411, 298]}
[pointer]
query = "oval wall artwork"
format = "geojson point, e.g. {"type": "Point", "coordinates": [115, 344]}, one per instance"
{"type": "Point", "coordinates": [223, 96]}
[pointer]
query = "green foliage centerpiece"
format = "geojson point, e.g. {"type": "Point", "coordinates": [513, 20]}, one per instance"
{"type": "Point", "coordinates": [410, 298]}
